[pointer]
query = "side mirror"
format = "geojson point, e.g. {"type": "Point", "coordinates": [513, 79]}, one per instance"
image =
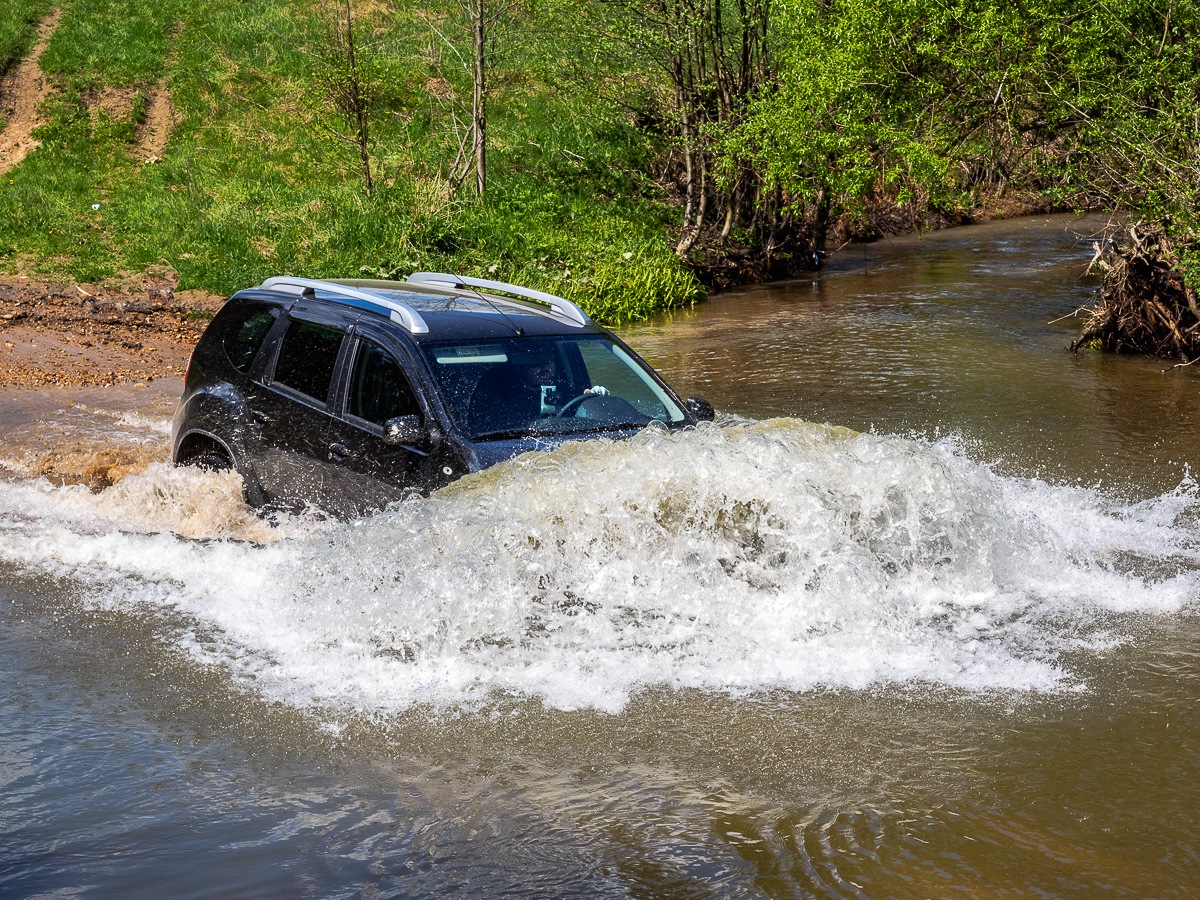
{"type": "Point", "coordinates": [700, 408]}
{"type": "Point", "coordinates": [403, 430]}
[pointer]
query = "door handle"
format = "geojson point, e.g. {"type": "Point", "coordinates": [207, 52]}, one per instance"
{"type": "Point", "coordinates": [338, 452]}
{"type": "Point", "coordinates": [259, 419]}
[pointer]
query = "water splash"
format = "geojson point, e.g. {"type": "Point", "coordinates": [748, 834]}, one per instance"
{"type": "Point", "coordinates": [70, 442]}
{"type": "Point", "coordinates": [770, 556]}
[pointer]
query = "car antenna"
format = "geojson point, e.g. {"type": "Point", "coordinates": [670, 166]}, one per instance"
{"type": "Point", "coordinates": [492, 303]}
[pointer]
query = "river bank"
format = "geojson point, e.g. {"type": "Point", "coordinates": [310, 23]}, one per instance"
{"type": "Point", "coordinates": [141, 328]}
{"type": "Point", "coordinates": [73, 334]}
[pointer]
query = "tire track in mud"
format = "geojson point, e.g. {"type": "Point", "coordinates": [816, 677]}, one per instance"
{"type": "Point", "coordinates": [155, 130]}
{"type": "Point", "coordinates": [23, 92]}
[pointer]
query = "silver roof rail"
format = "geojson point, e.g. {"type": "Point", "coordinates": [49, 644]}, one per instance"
{"type": "Point", "coordinates": [399, 313]}
{"type": "Point", "coordinates": [564, 308]}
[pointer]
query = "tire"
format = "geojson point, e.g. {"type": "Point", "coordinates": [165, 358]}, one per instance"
{"type": "Point", "coordinates": [211, 461]}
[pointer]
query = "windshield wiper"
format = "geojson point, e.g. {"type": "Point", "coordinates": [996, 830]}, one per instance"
{"type": "Point", "coordinates": [537, 434]}
{"type": "Point", "coordinates": [509, 434]}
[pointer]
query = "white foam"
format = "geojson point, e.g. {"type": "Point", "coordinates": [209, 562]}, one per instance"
{"type": "Point", "coordinates": [771, 556]}
{"type": "Point", "coordinates": [154, 426]}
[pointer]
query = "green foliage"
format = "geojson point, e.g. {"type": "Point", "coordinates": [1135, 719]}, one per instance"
{"type": "Point", "coordinates": [931, 103]}
{"type": "Point", "coordinates": [943, 101]}
{"type": "Point", "coordinates": [1189, 257]}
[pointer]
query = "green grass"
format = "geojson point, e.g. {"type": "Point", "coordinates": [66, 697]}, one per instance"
{"type": "Point", "coordinates": [255, 182]}
{"type": "Point", "coordinates": [111, 42]}
{"type": "Point", "coordinates": [18, 27]}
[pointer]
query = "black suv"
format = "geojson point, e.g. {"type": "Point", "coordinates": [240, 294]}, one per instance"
{"type": "Point", "coordinates": [348, 394]}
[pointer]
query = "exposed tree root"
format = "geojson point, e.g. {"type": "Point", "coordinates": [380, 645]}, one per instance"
{"type": "Point", "coordinates": [1145, 305]}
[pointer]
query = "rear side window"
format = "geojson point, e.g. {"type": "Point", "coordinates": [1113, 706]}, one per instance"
{"type": "Point", "coordinates": [379, 389]}
{"type": "Point", "coordinates": [245, 335]}
{"type": "Point", "coordinates": [307, 358]}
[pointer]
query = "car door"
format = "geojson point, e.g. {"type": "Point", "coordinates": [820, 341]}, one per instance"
{"type": "Point", "coordinates": [290, 411]}
{"type": "Point", "coordinates": [366, 472]}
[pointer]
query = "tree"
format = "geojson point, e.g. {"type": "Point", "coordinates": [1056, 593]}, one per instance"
{"type": "Point", "coordinates": [475, 9]}
{"type": "Point", "coordinates": [700, 62]}
{"type": "Point", "coordinates": [346, 86]}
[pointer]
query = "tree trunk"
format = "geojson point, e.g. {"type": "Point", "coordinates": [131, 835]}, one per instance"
{"type": "Point", "coordinates": [730, 213]}
{"type": "Point", "coordinates": [479, 101]}
{"type": "Point", "coordinates": [820, 225]}
{"type": "Point", "coordinates": [356, 103]}
{"type": "Point", "coordinates": [689, 154]}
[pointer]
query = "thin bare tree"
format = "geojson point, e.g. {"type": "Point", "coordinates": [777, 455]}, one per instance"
{"type": "Point", "coordinates": [471, 125]}
{"type": "Point", "coordinates": [346, 86]}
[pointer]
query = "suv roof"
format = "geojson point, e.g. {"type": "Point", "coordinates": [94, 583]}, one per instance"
{"type": "Point", "coordinates": [434, 305]}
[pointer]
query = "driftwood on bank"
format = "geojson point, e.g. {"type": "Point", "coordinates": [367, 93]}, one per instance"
{"type": "Point", "coordinates": [1144, 306]}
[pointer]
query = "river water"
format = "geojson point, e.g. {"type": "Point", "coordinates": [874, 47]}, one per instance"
{"type": "Point", "coordinates": [916, 619]}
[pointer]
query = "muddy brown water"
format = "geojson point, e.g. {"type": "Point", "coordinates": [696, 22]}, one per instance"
{"type": "Point", "coordinates": [947, 334]}
{"type": "Point", "coordinates": [944, 646]}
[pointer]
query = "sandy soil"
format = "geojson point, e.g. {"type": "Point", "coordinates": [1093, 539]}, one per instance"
{"type": "Point", "coordinates": [21, 93]}
{"type": "Point", "coordinates": [81, 334]}
{"type": "Point", "coordinates": [155, 130]}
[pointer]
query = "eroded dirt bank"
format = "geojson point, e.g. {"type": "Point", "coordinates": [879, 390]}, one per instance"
{"type": "Point", "coordinates": [81, 334]}
{"type": "Point", "coordinates": [89, 375]}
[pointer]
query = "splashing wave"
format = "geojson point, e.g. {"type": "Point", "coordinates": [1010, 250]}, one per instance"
{"type": "Point", "coordinates": [776, 555]}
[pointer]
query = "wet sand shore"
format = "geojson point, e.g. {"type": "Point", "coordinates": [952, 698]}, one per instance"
{"type": "Point", "coordinates": [61, 335]}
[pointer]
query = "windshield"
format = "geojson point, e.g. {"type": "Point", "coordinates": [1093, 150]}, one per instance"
{"type": "Point", "coordinates": [540, 386]}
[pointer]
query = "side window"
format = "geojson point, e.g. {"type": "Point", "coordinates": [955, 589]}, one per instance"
{"type": "Point", "coordinates": [244, 335]}
{"type": "Point", "coordinates": [307, 358]}
{"type": "Point", "coordinates": [379, 389]}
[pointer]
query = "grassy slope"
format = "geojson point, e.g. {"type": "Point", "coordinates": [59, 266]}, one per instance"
{"type": "Point", "coordinates": [18, 27]}
{"type": "Point", "coordinates": [254, 182]}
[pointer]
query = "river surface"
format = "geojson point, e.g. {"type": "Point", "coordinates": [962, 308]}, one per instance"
{"type": "Point", "coordinates": [916, 618]}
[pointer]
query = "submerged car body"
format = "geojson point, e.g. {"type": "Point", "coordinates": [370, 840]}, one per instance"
{"type": "Point", "coordinates": [348, 394]}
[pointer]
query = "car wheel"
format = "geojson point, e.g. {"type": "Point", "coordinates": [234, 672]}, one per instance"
{"type": "Point", "coordinates": [212, 461]}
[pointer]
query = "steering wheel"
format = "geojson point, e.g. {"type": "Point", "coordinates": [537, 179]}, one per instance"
{"type": "Point", "coordinates": [572, 406]}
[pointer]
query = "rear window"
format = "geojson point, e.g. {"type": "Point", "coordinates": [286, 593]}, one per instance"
{"type": "Point", "coordinates": [307, 358]}
{"type": "Point", "coordinates": [245, 333]}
